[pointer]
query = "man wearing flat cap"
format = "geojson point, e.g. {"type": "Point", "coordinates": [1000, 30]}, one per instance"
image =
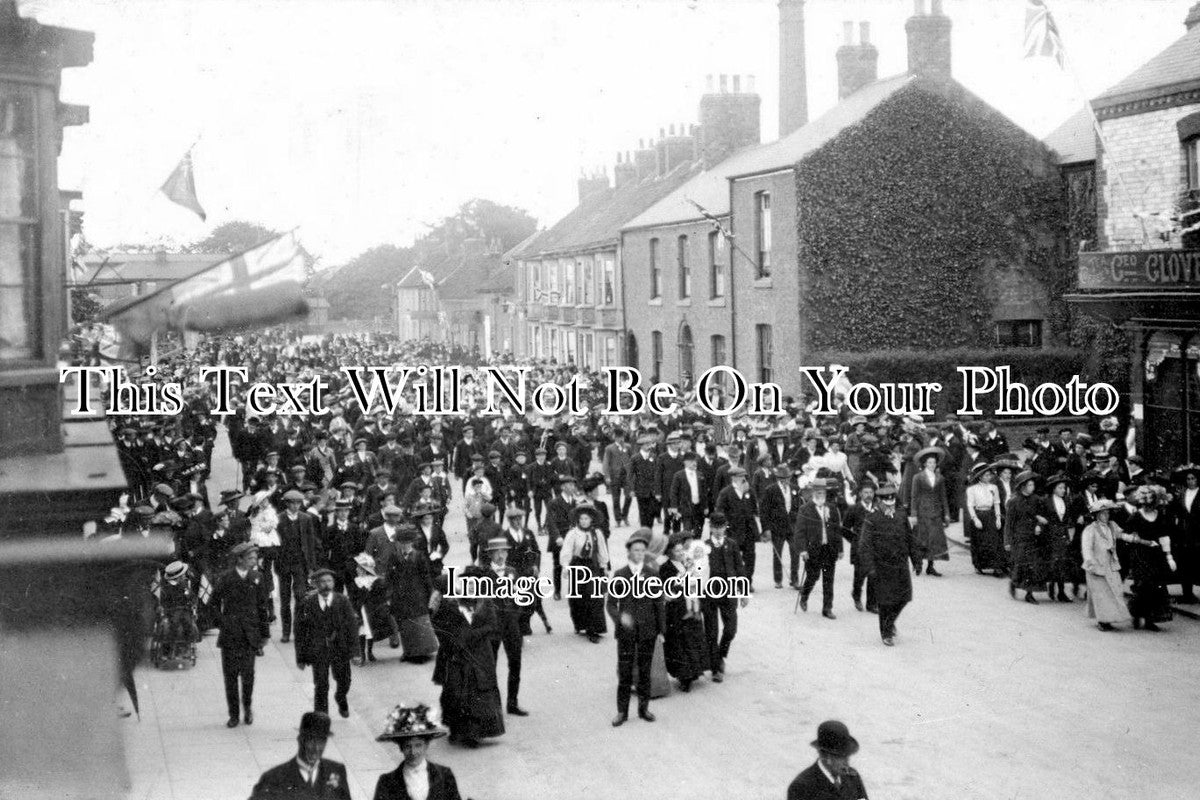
{"type": "Point", "coordinates": [638, 619]}
{"type": "Point", "coordinates": [831, 777]}
{"type": "Point", "coordinates": [299, 553]}
{"type": "Point", "coordinates": [242, 599]}
{"type": "Point", "coordinates": [326, 639]}
{"type": "Point", "coordinates": [308, 775]}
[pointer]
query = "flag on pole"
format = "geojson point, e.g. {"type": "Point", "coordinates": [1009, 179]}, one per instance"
{"type": "Point", "coordinates": [260, 286]}
{"type": "Point", "coordinates": [180, 187]}
{"type": "Point", "coordinates": [1041, 33]}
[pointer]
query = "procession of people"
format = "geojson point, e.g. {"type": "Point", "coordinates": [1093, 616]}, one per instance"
{"type": "Point", "coordinates": [340, 529]}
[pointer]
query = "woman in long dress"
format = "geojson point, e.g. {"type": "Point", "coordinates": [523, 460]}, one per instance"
{"type": "Point", "coordinates": [1060, 560]}
{"type": "Point", "coordinates": [685, 649]}
{"type": "Point", "coordinates": [584, 547]}
{"type": "Point", "coordinates": [470, 699]}
{"type": "Point", "coordinates": [983, 514]}
{"type": "Point", "coordinates": [927, 502]}
{"type": "Point", "coordinates": [371, 597]}
{"type": "Point", "coordinates": [412, 586]}
{"type": "Point", "coordinates": [1023, 532]}
{"type": "Point", "coordinates": [1101, 568]}
{"type": "Point", "coordinates": [1148, 532]}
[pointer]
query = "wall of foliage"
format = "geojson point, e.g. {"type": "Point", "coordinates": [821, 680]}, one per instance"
{"type": "Point", "coordinates": [903, 216]}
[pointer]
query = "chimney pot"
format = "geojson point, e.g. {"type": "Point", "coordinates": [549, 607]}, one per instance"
{"type": "Point", "coordinates": [724, 84]}
{"type": "Point", "coordinates": [848, 33]}
{"type": "Point", "coordinates": [793, 79]}
{"type": "Point", "coordinates": [672, 129]}
{"type": "Point", "coordinates": [918, 8]}
{"type": "Point", "coordinates": [750, 84]}
{"type": "Point", "coordinates": [662, 133]}
{"type": "Point", "coordinates": [708, 83]}
{"type": "Point", "coordinates": [935, 8]}
{"type": "Point", "coordinates": [641, 144]}
{"type": "Point", "coordinates": [864, 33]}
{"type": "Point", "coordinates": [737, 84]}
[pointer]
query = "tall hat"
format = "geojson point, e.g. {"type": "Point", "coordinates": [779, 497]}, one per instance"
{"type": "Point", "coordinates": [315, 724]}
{"type": "Point", "coordinates": [409, 720]}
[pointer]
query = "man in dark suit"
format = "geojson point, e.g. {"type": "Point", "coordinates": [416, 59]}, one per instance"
{"type": "Point", "coordinates": [326, 638]}
{"type": "Point", "coordinates": [669, 463]}
{"type": "Point", "coordinates": [242, 600]}
{"type": "Point", "coordinates": [644, 471]}
{"type": "Point", "coordinates": [638, 619]}
{"type": "Point", "coordinates": [308, 775]}
{"type": "Point", "coordinates": [819, 538]}
{"type": "Point", "coordinates": [740, 508]}
{"type": "Point", "coordinates": [299, 553]}
{"type": "Point", "coordinates": [724, 561]}
{"type": "Point", "coordinates": [830, 777]}
{"type": "Point", "coordinates": [778, 507]}
{"type": "Point", "coordinates": [688, 497]}
{"type": "Point", "coordinates": [509, 614]}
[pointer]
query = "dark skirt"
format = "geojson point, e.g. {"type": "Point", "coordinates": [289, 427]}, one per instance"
{"type": "Point", "coordinates": [1063, 561]}
{"type": "Point", "coordinates": [417, 637]}
{"type": "Point", "coordinates": [1029, 563]}
{"type": "Point", "coordinates": [587, 610]}
{"type": "Point", "coordinates": [1150, 602]}
{"type": "Point", "coordinates": [987, 545]}
{"type": "Point", "coordinates": [686, 649]}
{"type": "Point", "coordinates": [469, 709]}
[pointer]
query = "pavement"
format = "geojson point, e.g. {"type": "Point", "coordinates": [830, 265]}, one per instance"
{"type": "Point", "coordinates": [982, 697]}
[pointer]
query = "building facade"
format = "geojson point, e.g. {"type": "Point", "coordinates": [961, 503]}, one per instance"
{"type": "Point", "coordinates": [1143, 274]}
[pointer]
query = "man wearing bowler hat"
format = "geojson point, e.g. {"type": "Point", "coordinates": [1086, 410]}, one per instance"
{"type": "Point", "coordinates": [242, 599]}
{"type": "Point", "coordinates": [308, 775]}
{"type": "Point", "coordinates": [830, 777]}
{"type": "Point", "coordinates": [326, 638]}
{"type": "Point", "coordinates": [819, 540]}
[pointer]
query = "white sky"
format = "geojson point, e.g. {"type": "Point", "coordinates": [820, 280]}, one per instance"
{"type": "Point", "coordinates": [358, 121]}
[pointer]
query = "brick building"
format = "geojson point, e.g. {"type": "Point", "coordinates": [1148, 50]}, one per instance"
{"type": "Point", "coordinates": [1143, 271]}
{"type": "Point", "coordinates": [694, 300]}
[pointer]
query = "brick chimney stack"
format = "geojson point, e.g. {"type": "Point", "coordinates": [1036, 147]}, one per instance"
{"type": "Point", "coordinates": [929, 41]}
{"type": "Point", "coordinates": [793, 72]}
{"type": "Point", "coordinates": [858, 64]}
{"type": "Point", "coordinates": [625, 172]}
{"type": "Point", "coordinates": [591, 184]}
{"type": "Point", "coordinates": [674, 148]}
{"type": "Point", "coordinates": [729, 121]}
{"type": "Point", "coordinates": [645, 160]}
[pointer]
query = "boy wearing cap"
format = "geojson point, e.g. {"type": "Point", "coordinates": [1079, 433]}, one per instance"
{"type": "Point", "coordinates": [326, 639]}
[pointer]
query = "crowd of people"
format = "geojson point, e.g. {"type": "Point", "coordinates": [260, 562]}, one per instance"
{"type": "Point", "coordinates": [337, 527]}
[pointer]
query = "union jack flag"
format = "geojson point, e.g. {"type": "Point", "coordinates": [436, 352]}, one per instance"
{"type": "Point", "coordinates": [1041, 33]}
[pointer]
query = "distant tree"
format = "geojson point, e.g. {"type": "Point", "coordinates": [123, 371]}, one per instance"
{"type": "Point", "coordinates": [232, 237]}
{"type": "Point", "coordinates": [84, 305]}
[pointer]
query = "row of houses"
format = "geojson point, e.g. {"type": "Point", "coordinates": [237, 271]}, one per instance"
{"type": "Point", "coordinates": [696, 255]}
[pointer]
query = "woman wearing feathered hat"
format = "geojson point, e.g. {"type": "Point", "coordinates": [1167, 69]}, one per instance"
{"type": "Point", "coordinates": [412, 727]}
{"type": "Point", "coordinates": [1102, 570]}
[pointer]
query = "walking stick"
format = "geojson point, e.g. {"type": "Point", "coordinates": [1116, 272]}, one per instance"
{"type": "Point", "coordinates": [800, 588]}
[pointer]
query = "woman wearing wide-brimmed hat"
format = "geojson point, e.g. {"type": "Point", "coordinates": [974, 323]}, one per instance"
{"type": "Point", "coordinates": [928, 503]}
{"type": "Point", "coordinates": [685, 649]}
{"type": "Point", "coordinates": [1101, 568]}
{"type": "Point", "coordinates": [1148, 532]}
{"type": "Point", "coordinates": [983, 517]}
{"type": "Point", "coordinates": [585, 547]}
{"type": "Point", "coordinates": [1023, 532]}
{"type": "Point", "coordinates": [1062, 564]}
{"type": "Point", "coordinates": [413, 726]}
{"type": "Point", "coordinates": [471, 704]}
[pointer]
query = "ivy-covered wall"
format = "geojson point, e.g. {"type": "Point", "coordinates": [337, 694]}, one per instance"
{"type": "Point", "coordinates": [906, 218]}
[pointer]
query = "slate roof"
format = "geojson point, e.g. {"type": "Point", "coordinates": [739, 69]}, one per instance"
{"type": "Point", "coordinates": [1074, 141]}
{"type": "Point", "coordinates": [1176, 68]}
{"type": "Point", "coordinates": [711, 187]}
{"type": "Point", "coordinates": [463, 276]}
{"type": "Point", "coordinates": [597, 221]}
